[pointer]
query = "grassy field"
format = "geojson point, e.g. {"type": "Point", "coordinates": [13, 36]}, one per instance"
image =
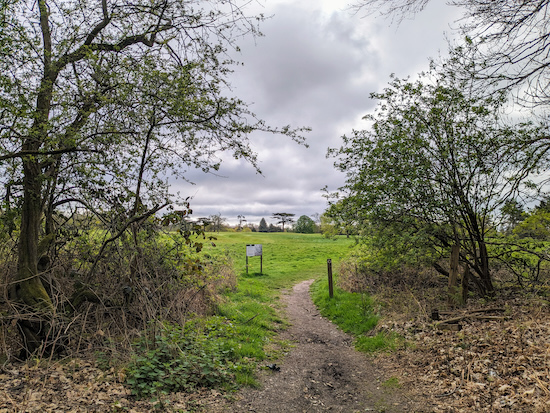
{"type": "Point", "coordinates": [253, 307]}
{"type": "Point", "coordinates": [287, 257]}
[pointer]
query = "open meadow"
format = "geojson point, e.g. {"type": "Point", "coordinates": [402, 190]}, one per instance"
{"type": "Point", "coordinates": [253, 305]}
{"type": "Point", "coordinates": [287, 257]}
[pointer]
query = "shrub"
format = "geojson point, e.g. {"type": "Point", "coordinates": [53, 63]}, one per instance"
{"type": "Point", "coordinates": [171, 358]}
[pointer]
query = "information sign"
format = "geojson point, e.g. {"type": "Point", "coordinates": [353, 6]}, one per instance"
{"type": "Point", "coordinates": [253, 250]}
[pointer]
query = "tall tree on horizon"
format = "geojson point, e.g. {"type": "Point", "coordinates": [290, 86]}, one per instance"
{"type": "Point", "coordinates": [263, 226]}
{"type": "Point", "coordinates": [283, 218]}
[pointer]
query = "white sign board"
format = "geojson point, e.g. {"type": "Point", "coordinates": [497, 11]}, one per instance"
{"type": "Point", "coordinates": [254, 250]}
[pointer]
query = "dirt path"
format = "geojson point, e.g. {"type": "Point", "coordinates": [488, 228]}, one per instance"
{"type": "Point", "coordinates": [322, 372]}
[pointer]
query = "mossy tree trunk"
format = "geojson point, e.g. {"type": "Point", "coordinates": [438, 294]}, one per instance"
{"type": "Point", "coordinates": [29, 288]}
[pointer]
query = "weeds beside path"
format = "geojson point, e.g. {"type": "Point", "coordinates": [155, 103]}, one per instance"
{"type": "Point", "coordinates": [321, 372]}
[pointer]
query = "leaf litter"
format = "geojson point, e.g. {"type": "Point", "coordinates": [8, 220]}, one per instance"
{"type": "Point", "coordinates": [499, 362]}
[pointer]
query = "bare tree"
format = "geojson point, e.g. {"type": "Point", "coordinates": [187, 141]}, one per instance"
{"type": "Point", "coordinates": [217, 222]}
{"type": "Point", "coordinates": [507, 42]}
{"type": "Point", "coordinates": [242, 219]}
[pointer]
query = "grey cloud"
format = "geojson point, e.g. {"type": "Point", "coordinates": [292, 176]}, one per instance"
{"type": "Point", "coordinates": [313, 68]}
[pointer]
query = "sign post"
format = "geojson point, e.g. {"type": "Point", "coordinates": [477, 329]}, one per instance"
{"type": "Point", "coordinates": [330, 285]}
{"type": "Point", "coordinates": [254, 250]}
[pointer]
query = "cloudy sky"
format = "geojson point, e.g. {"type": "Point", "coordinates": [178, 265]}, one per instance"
{"type": "Point", "coordinates": [315, 66]}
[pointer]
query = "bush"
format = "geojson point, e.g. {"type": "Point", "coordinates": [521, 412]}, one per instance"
{"type": "Point", "coordinates": [176, 359]}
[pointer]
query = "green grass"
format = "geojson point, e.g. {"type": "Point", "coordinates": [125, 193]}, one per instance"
{"type": "Point", "coordinates": [354, 313]}
{"type": "Point", "coordinates": [287, 259]}
{"type": "Point", "coordinates": [392, 383]}
{"type": "Point", "coordinates": [253, 308]}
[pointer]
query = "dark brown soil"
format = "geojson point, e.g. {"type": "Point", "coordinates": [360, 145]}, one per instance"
{"type": "Point", "coordinates": [322, 372]}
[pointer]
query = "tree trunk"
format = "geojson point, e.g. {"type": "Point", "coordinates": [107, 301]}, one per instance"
{"type": "Point", "coordinates": [29, 290]}
{"type": "Point", "coordinates": [465, 284]}
{"type": "Point", "coordinates": [452, 294]}
{"type": "Point", "coordinates": [485, 273]}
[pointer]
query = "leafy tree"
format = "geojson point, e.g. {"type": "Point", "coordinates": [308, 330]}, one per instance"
{"type": "Point", "coordinates": [263, 226]}
{"type": "Point", "coordinates": [283, 218]}
{"type": "Point", "coordinates": [217, 222]}
{"type": "Point", "coordinates": [508, 41]}
{"type": "Point", "coordinates": [98, 102]}
{"type": "Point", "coordinates": [536, 226]}
{"type": "Point", "coordinates": [341, 218]}
{"type": "Point", "coordinates": [305, 225]}
{"type": "Point", "coordinates": [438, 164]}
{"type": "Point", "coordinates": [273, 228]}
{"type": "Point", "coordinates": [512, 214]}
{"type": "Point", "coordinates": [328, 227]}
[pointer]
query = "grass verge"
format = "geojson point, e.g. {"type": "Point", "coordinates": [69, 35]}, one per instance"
{"type": "Point", "coordinates": [356, 314]}
{"type": "Point", "coordinates": [254, 307]}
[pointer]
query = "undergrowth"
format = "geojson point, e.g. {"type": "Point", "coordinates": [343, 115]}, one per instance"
{"type": "Point", "coordinates": [170, 358]}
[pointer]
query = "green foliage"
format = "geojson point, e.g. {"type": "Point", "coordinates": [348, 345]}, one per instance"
{"type": "Point", "coordinates": [304, 225]}
{"type": "Point", "coordinates": [379, 342]}
{"type": "Point", "coordinates": [105, 103]}
{"type": "Point", "coordinates": [391, 246]}
{"type": "Point", "coordinates": [283, 218]}
{"type": "Point", "coordinates": [536, 226]}
{"type": "Point", "coordinates": [288, 258]}
{"type": "Point", "coordinates": [273, 228]}
{"type": "Point", "coordinates": [435, 167]}
{"type": "Point", "coordinates": [392, 383]}
{"type": "Point", "coordinates": [180, 359]}
{"type": "Point", "coordinates": [354, 313]}
{"type": "Point", "coordinates": [512, 214]}
{"type": "Point", "coordinates": [524, 258]}
{"type": "Point", "coordinates": [329, 228]}
{"type": "Point", "coordinates": [263, 226]}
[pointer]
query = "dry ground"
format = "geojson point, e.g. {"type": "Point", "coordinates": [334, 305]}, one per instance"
{"type": "Point", "coordinates": [498, 362]}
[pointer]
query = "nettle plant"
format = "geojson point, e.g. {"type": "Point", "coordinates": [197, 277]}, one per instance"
{"type": "Point", "coordinates": [171, 358]}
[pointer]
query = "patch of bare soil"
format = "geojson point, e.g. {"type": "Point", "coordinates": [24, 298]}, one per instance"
{"type": "Point", "coordinates": [322, 371]}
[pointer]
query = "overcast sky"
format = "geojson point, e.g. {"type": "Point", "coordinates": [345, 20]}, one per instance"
{"type": "Point", "coordinates": [315, 66]}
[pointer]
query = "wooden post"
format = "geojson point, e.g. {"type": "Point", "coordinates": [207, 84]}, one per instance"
{"type": "Point", "coordinates": [247, 265]}
{"type": "Point", "coordinates": [453, 275]}
{"type": "Point", "coordinates": [330, 285]}
{"type": "Point", "coordinates": [465, 282]}
{"type": "Point", "coordinates": [261, 264]}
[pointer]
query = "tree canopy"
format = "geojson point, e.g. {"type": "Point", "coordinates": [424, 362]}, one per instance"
{"type": "Point", "coordinates": [263, 226]}
{"type": "Point", "coordinates": [283, 218]}
{"type": "Point", "coordinates": [507, 42]}
{"type": "Point", "coordinates": [101, 101]}
{"type": "Point", "coordinates": [304, 225]}
{"type": "Point", "coordinates": [437, 164]}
